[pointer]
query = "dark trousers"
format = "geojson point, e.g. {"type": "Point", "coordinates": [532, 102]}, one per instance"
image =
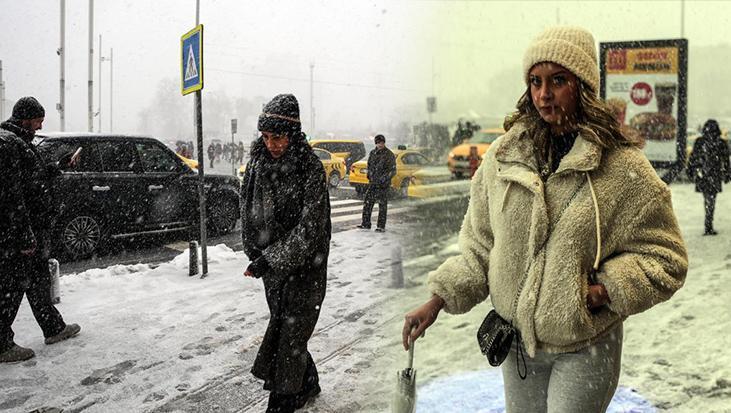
{"type": "Point", "coordinates": [709, 201]}
{"type": "Point", "coordinates": [34, 281]}
{"type": "Point", "coordinates": [375, 194]}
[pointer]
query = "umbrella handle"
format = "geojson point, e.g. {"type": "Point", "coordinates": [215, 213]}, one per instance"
{"type": "Point", "coordinates": [411, 349]}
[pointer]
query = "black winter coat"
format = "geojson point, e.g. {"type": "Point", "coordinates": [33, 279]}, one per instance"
{"type": "Point", "coordinates": [381, 167]}
{"type": "Point", "coordinates": [285, 216]}
{"type": "Point", "coordinates": [16, 233]}
{"type": "Point", "coordinates": [27, 212]}
{"type": "Point", "coordinates": [708, 166]}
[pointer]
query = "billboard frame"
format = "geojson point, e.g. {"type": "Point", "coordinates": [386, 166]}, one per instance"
{"type": "Point", "coordinates": [682, 114]}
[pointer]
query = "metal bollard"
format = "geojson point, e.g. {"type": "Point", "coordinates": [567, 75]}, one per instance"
{"type": "Point", "coordinates": [193, 261]}
{"type": "Point", "coordinates": [397, 269]}
{"type": "Point", "coordinates": [55, 269]}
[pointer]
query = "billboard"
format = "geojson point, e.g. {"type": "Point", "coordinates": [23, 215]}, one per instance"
{"type": "Point", "coordinates": [648, 81]}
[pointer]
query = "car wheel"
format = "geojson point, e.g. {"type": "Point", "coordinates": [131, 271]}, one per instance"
{"type": "Point", "coordinates": [223, 215]}
{"type": "Point", "coordinates": [458, 175]}
{"type": "Point", "coordinates": [334, 179]}
{"type": "Point", "coordinates": [359, 190]}
{"type": "Point", "coordinates": [81, 236]}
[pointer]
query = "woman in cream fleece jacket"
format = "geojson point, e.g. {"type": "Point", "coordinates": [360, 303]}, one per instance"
{"type": "Point", "coordinates": [562, 195]}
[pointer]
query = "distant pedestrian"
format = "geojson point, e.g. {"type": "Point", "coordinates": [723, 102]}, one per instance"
{"type": "Point", "coordinates": [285, 216]}
{"type": "Point", "coordinates": [26, 219]}
{"type": "Point", "coordinates": [709, 168]}
{"type": "Point", "coordinates": [240, 153]}
{"type": "Point", "coordinates": [381, 169]}
{"type": "Point", "coordinates": [219, 151]}
{"type": "Point", "coordinates": [211, 153]}
{"type": "Point", "coordinates": [474, 160]}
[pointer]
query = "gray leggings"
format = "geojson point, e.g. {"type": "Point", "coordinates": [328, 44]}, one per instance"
{"type": "Point", "coordinates": [582, 382]}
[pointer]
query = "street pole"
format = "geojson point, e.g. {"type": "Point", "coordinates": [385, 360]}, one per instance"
{"type": "Point", "coordinates": [233, 158]}
{"type": "Point", "coordinates": [111, 89]}
{"type": "Point", "coordinates": [90, 115]}
{"type": "Point", "coordinates": [201, 162]}
{"type": "Point", "coordinates": [2, 93]}
{"type": "Point", "coordinates": [682, 19]}
{"type": "Point", "coordinates": [62, 81]}
{"type": "Point", "coordinates": [312, 99]}
{"type": "Point", "coordinates": [101, 59]}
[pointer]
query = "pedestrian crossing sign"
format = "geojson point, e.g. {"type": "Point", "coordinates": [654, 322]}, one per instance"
{"type": "Point", "coordinates": [191, 59]}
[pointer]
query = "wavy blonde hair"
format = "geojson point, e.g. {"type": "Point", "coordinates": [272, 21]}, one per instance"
{"type": "Point", "coordinates": [594, 120]}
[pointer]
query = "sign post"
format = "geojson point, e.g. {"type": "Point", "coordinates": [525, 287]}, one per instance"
{"type": "Point", "coordinates": [234, 150]}
{"type": "Point", "coordinates": [191, 63]}
{"type": "Point", "coordinates": [647, 82]}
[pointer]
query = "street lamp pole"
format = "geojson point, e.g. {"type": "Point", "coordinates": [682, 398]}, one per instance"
{"type": "Point", "coordinates": [62, 82]}
{"type": "Point", "coordinates": [90, 115]}
{"type": "Point", "coordinates": [111, 89]}
{"type": "Point", "coordinates": [101, 59]}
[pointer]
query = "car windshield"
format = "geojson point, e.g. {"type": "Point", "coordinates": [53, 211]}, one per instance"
{"type": "Point", "coordinates": [485, 137]}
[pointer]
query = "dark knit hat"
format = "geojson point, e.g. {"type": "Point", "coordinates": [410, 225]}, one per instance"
{"type": "Point", "coordinates": [379, 138]}
{"type": "Point", "coordinates": [711, 128]}
{"type": "Point", "coordinates": [28, 108]}
{"type": "Point", "coordinates": [281, 115]}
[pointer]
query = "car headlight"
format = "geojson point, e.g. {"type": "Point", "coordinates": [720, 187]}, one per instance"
{"type": "Point", "coordinates": [451, 154]}
{"type": "Point", "coordinates": [364, 171]}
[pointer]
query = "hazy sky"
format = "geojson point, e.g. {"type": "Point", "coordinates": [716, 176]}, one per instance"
{"type": "Point", "coordinates": [373, 59]}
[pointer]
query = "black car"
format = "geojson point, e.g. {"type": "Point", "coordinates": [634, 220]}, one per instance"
{"type": "Point", "coordinates": [125, 186]}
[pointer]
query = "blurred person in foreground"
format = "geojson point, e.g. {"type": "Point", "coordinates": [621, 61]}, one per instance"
{"type": "Point", "coordinates": [569, 231]}
{"type": "Point", "coordinates": [708, 167]}
{"type": "Point", "coordinates": [381, 169]}
{"type": "Point", "coordinates": [285, 216]}
{"type": "Point", "coordinates": [26, 220]}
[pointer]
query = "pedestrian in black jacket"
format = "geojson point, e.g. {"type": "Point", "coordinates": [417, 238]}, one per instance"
{"type": "Point", "coordinates": [709, 167]}
{"type": "Point", "coordinates": [381, 169]}
{"type": "Point", "coordinates": [26, 218]}
{"type": "Point", "coordinates": [285, 217]}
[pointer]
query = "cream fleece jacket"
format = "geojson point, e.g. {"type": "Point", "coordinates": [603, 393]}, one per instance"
{"type": "Point", "coordinates": [512, 213]}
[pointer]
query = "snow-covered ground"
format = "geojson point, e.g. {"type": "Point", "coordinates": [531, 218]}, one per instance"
{"type": "Point", "coordinates": [152, 335]}
{"type": "Point", "coordinates": [154, 339]}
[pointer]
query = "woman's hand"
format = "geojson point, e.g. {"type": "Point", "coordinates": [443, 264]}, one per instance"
{"type": "Point", "coordinates": [417, 321]}
{"type": "Point", "coordinates": [597, 296]}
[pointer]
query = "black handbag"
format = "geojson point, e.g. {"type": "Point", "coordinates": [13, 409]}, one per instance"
{"type": "Point", "coordinates": [495, 337]}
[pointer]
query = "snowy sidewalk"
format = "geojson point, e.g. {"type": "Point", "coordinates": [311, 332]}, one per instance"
{"type": "Point", "coordinates": [154, 339]}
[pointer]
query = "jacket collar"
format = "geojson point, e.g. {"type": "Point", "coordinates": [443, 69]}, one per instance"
{"type": "Point", "coordinates": [517, 146]}
{"type": "Point", "coordinates": [13, 126]}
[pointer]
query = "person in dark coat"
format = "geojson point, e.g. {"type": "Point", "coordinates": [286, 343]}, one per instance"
{"type": "Point", "coordinates": [709, 167]}
{"type": "Point", "coordinates": [26, 218]}
{"type": "Point", "coordinates": [211, 153]}
{"type": "Point", "coordinates": [381, 169]}
{"type": "Point", "coordinates": [285, 217]}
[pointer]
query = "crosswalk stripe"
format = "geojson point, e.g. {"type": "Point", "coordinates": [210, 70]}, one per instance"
{"type": "Point", "coordinates": [345, 202]}
{"type": "Point", "coordinates": [358, 217]}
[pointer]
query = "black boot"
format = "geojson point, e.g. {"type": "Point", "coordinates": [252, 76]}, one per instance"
{"type": "Point", "coordinates": [281, 403]}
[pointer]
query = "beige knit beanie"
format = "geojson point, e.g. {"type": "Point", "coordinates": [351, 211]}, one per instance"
{"type": "Point", "coordinates": [571, 47]}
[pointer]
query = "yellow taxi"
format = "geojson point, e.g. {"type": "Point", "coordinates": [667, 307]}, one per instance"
{"type": "Point", "coordinates": [349, 150]}
{"type": "Point", "coordinates": [408, 163]}
{"type": "Point", "coordinates": [458, 161]}
{"type": "Point", "coordinates": [334, 167]}
{"type": "Point", "coordinates": [436, 181]}
{"type": "Point", "coordinates": [192, 163]}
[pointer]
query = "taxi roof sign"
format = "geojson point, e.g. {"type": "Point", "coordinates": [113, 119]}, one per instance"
{"type": "Point", "coordinates": [191, 60]}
